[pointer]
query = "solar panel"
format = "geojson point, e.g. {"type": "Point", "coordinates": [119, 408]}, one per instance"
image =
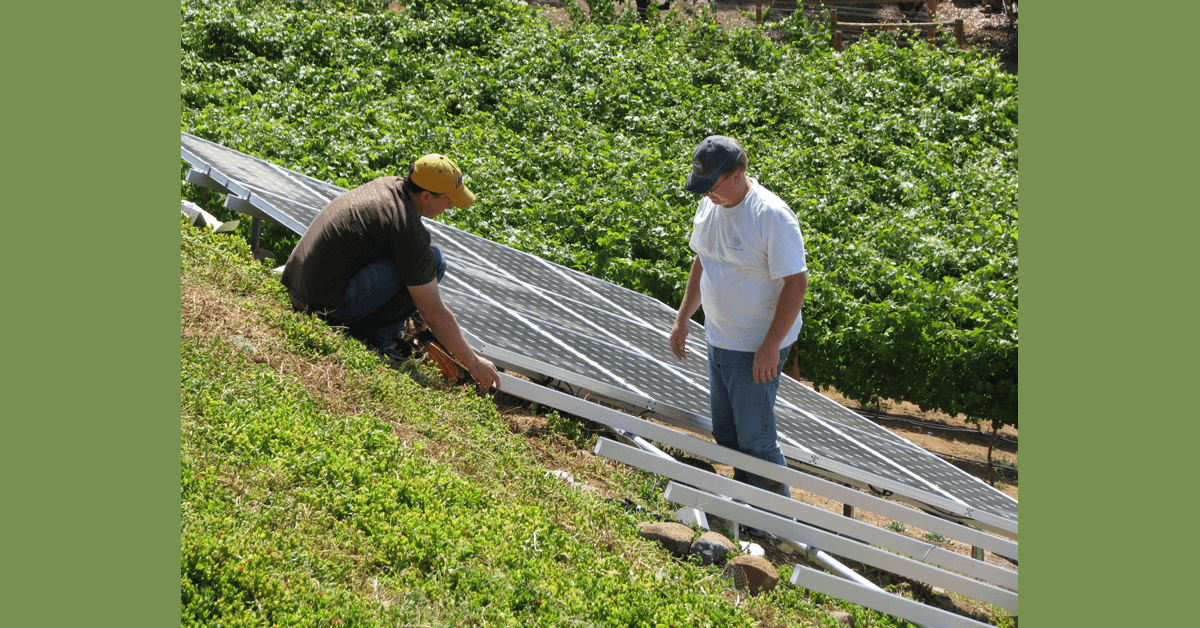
{"type": "Point", "coordinates": [544, 318]}
{"type": "Point", "coordinates": [287, 197]}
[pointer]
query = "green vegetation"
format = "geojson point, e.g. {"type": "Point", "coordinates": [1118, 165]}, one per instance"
{"type": "Point", "coordinates": [900, 163]}
{"type": "Point", "coordinates": [319, 488]}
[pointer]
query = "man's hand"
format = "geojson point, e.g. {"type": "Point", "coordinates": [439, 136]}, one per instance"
{"type": "Point", "coordinates": [679, 332]}
{"type": "Point", "coordinates": [485, 374]}
{"type": "Point", "coordinates": [766, 364]}
{"type": "Point", "coordinates": [445, 328]}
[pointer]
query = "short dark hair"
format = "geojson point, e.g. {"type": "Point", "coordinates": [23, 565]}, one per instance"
{"type": "Point", "coordinates": [410, 187]}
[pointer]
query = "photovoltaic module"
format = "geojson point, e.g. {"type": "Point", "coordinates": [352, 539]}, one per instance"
{"type": "Point", "coordinates": [592, 337]}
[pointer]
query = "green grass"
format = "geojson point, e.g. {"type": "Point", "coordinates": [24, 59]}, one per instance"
{"type": "Point", "coordinates": [319, 488]}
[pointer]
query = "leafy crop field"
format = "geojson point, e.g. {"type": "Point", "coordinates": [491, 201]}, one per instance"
{"type": "Point", "coordinates": [900, 163]}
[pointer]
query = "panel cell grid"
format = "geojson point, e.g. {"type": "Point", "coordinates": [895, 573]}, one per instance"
{"type": "Point", "coordinates": [795, 394]}
{"type": "Point", "coordinates": [297, 196]}
{"type": "Point", "coordinates": [602, 326]}
{"type": "Point", "coordinates": [557, 279]}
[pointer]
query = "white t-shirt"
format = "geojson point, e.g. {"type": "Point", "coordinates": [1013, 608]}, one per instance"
{"type": "Point", "coordinates": [746, 251]}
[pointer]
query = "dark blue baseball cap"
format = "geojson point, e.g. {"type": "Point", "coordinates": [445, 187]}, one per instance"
{"type": "Point", "coordinates": [710, 158]}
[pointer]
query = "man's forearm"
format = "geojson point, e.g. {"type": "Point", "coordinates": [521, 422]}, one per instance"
{"type": "Point", "coordinates": [787, 308]}
{"type": "Point", "coordinates": [445, 327]}
{"type": "Point", "coordinates": [691, 294]}
{"type": "Point", "coordinates": [442, 322]}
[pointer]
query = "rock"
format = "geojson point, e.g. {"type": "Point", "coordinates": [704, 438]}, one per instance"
{"type": "Point", "coordinates": [703, 465]}
{"type": "Point", "coordinates": [753, 573]}
{"type": "Point", "coordinates": [843, 618]}
{"type": "Point", "coordinates": [713, 547]}
{"type": "Point", "coordinates": [676, 537]}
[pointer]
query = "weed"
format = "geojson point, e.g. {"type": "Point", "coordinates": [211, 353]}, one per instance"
{"type": "Point", "coordinates": [896, 526]}
{"type": "Point", "coordinates": [569, 428]}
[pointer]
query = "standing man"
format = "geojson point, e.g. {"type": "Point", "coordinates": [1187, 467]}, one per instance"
{"type": "Point", "coordinates": [366, 262]}
{"type": "Point", "coordinates": [750, 276]}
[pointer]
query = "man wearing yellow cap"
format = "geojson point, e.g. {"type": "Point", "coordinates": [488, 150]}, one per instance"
{"type": "Point", "coordinates": [366, 262]}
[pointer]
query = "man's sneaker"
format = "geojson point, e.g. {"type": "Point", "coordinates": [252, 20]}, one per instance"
{"type": "Point", "coordinates": [390, 354]}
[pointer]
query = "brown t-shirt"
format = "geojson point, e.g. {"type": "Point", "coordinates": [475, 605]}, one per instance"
{"type": "Point", "coordinates": [372, 222]}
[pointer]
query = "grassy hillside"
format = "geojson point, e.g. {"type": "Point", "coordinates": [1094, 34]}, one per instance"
{"type": "Point", "coordinates": [319, 488]}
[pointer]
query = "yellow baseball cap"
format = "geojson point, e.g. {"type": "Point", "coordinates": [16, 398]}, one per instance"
{"type": "Point", "coordinates": [439, 175]}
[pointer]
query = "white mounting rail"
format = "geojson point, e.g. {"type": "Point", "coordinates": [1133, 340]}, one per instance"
{"type": "Point", "coordinates": [841, 546]}
{"type": "Point", "coordinates": [712, 451]}
{"type": "Point", "coordinates": [846, 526]}
{"type": "Point", "coordinates": [883, 602]}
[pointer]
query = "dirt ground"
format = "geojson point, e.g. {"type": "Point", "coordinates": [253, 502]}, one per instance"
{"type": "Point", "coordinates": [985, 30]}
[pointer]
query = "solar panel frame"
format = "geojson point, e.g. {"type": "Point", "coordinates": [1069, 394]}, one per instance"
{"type": "Point", "coordinates": [598, 337]}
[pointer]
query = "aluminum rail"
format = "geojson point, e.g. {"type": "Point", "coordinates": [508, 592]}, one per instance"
{"type": "Point", "coordinates": [848, 548]}
{"type": "Point", "coordinates": [813, 553]}
{"type": "Point", "coordinates": [828, 562]}
{"type": "Point", "coordinates": [883, 602]}
{"type": "Point", "coordinates": [810, 515]}
{"type": "Point", "coordinates": [642, 444]}
{"type": "Point", "coordinates": [954, 507]}
{"type": "Point", "coordinates": [534, 392]}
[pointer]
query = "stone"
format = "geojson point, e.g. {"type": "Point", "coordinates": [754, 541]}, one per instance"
{"type": "Point", "coordinates": [676, 537]}
{"type": "Point", "coordinates": [843, 618]}
{"type": "Point", "coordinates": [713, 548]}
{"type": "Point", "coordinates": [753, 573]}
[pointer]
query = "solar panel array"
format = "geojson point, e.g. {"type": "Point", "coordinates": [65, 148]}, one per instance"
{"type": "Point", "coordinates": [544, 318]}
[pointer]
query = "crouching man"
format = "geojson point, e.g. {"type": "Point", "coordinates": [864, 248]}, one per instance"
{"type": "Point", "coordinates": [366, 262]}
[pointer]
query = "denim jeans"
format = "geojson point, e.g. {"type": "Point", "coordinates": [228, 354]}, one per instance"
{"type": "Point", "coordinates": [376, 303]}
{"type": "Point", "coordinates": [743, 413]}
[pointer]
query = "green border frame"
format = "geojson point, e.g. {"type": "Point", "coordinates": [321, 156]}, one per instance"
{"type": "Point", "coordinates": [89, 452]}
{"type": "Point", "coordinates": [1108, 331]}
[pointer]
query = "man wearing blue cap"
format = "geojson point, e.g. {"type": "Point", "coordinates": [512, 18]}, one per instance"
{"type": "Point", "coordinates": [750, 275]}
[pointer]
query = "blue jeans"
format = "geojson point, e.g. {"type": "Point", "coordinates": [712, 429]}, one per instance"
{"type": "Point", "coordinates": [376, 304]}
{"type": "Point", "coordinates": [743, 413]}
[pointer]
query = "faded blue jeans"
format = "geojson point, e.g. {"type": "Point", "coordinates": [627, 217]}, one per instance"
{"type": "Point", "coordinates": [743, 413]}
{"type": "Point", "coordinates": [376, 304]}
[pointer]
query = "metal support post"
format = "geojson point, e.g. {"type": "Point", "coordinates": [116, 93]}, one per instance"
{"type": "Point", "coordinates": [255, 233]}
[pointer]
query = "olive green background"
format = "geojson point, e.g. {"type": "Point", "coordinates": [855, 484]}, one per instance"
{"type": "Point", "coordinates": [1108, 324]}
{"type": "Point", "coordinates": [1107, 246]}
{"type": "Point", "coordinates": [90, 440]}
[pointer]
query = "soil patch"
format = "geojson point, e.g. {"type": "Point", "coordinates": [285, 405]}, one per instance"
{"type": "Point", "coordinates": [985, 30]}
